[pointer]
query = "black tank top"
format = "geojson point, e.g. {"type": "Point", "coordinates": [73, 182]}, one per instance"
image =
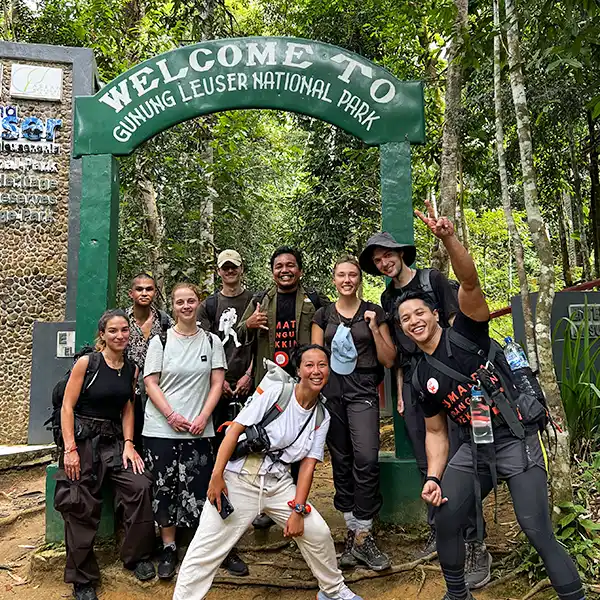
{"type": "Point", "coordinates": [108, 393]}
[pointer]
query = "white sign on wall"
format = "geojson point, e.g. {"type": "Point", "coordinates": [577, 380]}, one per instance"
{"type": "Point", "coordinates": [65, 344]}
{"type": "Point", "coordinates": [36, 82]}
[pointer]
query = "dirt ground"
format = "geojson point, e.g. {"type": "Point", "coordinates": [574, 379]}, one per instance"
{"type": "Point", "coordinates": [21, 578]}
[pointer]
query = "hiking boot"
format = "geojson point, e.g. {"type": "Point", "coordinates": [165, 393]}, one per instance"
{"type": "Point", "coordinates": [235, 565]}
{"type": "Point", "coordinates": [347, 560]}
{"type": "Point", "coordinates": [345, 593]}
{"type": "Point", "coordinates": [144, 570]}
{"type": "Point", "coordinates": [429, 547]}
{"type": "Point", "coordinates": [478, 565]}
{"type": "Point", "coordinates": [366, 551]}
{"type": "Point", "coordinates": [448, 597]}
{"type": "Point", "coordinates": [84, 591]}
{"type": "Point", "coordinates": [167, 563]}
{"type": "Point", "coordinates": [263, 522]}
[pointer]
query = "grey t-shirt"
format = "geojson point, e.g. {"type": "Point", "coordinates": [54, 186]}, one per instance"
{"type": "Point", "coordinates": [185, 367]}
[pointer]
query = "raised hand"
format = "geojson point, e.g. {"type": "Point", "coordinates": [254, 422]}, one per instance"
{"type": "Point", "coordinates": [441, 227]}
{"type": "Point", "coordinates": [257, 320]}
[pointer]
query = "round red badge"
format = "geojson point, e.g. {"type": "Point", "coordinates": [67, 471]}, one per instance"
{"type": "Point", "coordinates": [432, 385]}
{"type": "Point", "coordinates": [281, 359]}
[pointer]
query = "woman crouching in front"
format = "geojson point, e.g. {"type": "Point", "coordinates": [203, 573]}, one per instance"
{"type": "Point", "coordinates": [260, 482]}
{"type": "Point", "coordinates": [97, 431]}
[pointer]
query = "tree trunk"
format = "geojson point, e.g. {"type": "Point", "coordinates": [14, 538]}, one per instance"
{"type": "Point", "coordinates": [450, 136]}
{"type": "Point", "coordinates": [561, 477]}
{"type": "Point", "coordinates": [515, 238]}
{"type": "Point", "coordinates": [154, 225]}
{"type": "Point", "coordinates": [563, 233]}
{"type": "Point", "coordinates": [595, 193]}
{"type": "Point", "coordinates": [462, 219]}
{"type": "Point", "coordinates": [578, 218]}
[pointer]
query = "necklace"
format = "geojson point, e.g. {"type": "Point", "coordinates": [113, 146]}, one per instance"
{"type": "Point", "coordinates": [117, 369]}
{"type": "Point", "coordinates": [185, 334]}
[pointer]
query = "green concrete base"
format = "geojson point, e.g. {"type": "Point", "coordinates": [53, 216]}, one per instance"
{"type": "Point", "coordinates": [401, 489]}
{"type": "Point", "coordinates": [55, 527]}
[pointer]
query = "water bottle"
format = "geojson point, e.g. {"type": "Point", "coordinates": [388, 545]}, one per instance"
{"type": "Point", "coordinates": [523, 377]}
{"type": "Point", "coordinates": [481, 418]}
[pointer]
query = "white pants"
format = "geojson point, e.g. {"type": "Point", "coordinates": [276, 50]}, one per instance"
{"type": "Point", "coordinates": [215, 536]}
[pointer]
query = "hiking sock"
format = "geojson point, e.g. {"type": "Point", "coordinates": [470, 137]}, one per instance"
{"type": "Point", "coordinates": [350, 521]}
{"type": "Point", "coordinates": [455, 582]}
{"type": "Point", "coordinates": [571, 591]}
{"type": "Point", "coordinates": [363, 525]}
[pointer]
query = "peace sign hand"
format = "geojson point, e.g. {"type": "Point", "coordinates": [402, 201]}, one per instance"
{"type": "Point", "coordinates": [441, 227]}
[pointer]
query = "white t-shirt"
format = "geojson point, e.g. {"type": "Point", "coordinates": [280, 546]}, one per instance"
{"type": "Point", "coordinates": [185, 371]}
{"type": "Point", "coordinates": [282, 432]}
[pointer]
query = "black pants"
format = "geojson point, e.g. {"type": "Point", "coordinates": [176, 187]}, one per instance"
{"type": "Point", "coordinates": [80, 503]}
{"type": "Point", "coordinates": [353, 442]}
{"type": "Point", "coordinates": [415, 428]}
{"type": "Point", "coordinates": [530, 499]}
{"type": "Point", "coordinates": [226, 410]}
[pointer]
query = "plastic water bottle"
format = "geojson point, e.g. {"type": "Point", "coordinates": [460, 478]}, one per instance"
{"type": "Point", "coordinates": [481, 418]}
{"type": "Point", "coordinates": [523, 376]}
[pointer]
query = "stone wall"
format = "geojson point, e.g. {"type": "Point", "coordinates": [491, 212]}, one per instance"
{"type": "Point", "coordinates": [34, 226]}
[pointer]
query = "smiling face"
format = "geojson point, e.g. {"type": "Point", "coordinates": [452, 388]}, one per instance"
{"type": "Point", "coordinates": [230, 274]}
{"type": "Point", "coordinates": [388, 262]}
{"type": "Point", "coordinates": [142, 291]}
{"type": "Point", "coordinates": [418, 321]}
{"type": "Point", "coordinates": [314, 369]}
{"type": "Point", "coordinates": [346, 279]}
{"type": "Point", "coordinates": [116, 334]}
{"type": "Point", "coordinates": [185, 304]}
{"type": "Point", "coordinates": [286, 272]}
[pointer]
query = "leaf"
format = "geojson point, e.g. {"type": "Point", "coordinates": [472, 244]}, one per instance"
{"type": "Point", "coordinates": [589, 525]}
{"type": "Point", "coordinates": [582, 560]}
{"type": "Point", "coordinates": [568, 518]}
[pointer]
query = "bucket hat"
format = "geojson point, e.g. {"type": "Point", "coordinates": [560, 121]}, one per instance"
{"type": "Point", "coordinates": [343, 351]}
{"type": "Point", "coordinates": [384, 240]}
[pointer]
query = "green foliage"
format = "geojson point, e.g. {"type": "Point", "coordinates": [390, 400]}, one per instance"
{"type": "Point", "coordinates": [580, 379]}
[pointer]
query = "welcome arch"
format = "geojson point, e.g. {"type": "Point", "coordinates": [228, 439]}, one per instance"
{"type": "Point", "coordinates": [298, 75]}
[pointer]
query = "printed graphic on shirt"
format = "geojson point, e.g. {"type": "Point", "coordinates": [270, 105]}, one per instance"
{"type": "Point", "coordinates": [432, 385]}
{"type": "Point", "coordinates": [285, 341]}
{"type": "Point", "coordinates": [227, 321]}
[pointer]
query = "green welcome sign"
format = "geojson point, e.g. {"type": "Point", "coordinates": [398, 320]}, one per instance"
{"type": "Point", "coordinates": [303, 76]}
{"type": "Point", "coordinates": [291, 74]}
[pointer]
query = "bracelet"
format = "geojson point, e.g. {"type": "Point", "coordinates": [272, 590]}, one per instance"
{"type": "Point", "coordinates": [73, 449]}
{"type": "Point", "coordinates": [434, 479]}
{"type": "Point", "coordinates": [248, 374]}
{"type": "Point", "coordinates": [301, 509]}
{"type": "Point", "coordinates": [129, 440]}
{"type": "Point", "coordinates": [169, 415]}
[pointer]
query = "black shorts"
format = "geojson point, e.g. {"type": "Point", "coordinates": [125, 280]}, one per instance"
{"type": "Point", "coordinates": [181, 470]}
{"type": "Point", "coordinates": [513, 456]}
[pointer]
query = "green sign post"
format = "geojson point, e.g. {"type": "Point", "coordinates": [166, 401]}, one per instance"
{"type": "Point", "coordinates": [298, 75]}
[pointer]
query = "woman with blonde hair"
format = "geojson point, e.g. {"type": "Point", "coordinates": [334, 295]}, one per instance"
{"type": "Point", "coordinates": [356, 334]}
{"type": "Point", "coordinates": [183, 375]}
{"type": "Point", "coordinates": [97, 441]}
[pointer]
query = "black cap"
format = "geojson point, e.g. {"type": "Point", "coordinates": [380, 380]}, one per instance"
{"type": "Point", "coordinates": [384, 240]}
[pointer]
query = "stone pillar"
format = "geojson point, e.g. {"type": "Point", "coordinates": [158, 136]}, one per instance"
{"type": "Point", "coordinates": [39, 212]}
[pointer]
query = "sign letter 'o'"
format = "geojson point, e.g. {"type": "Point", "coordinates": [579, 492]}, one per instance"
{"type": "Point", "coordinates": [236, 55]}
{"type": "Point", "coordinates": [388, 96]}
{"type": "Point", "coordinates": [194, 60]}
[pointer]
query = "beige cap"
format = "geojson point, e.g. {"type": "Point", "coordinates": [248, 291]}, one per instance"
{"type": "Point", "coordinates": [231, 256]}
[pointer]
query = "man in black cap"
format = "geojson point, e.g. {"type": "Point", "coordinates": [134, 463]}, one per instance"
{"type": "Point", "coordinates": [383, 255]}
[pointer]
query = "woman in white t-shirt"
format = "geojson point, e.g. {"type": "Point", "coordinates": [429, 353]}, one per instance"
{"type": "Point", "coordinates": [261, 483]}
{"type": "Point", "coordinates": [183, 380]}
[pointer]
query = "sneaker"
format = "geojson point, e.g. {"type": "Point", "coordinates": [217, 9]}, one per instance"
{"type": "Point", "coordinates": [235, 565]}
{"type": "Point", "coordinates": [430, 546]}
{"type": "Point", "coordinates": [84, 591]}
{"type": "Point", "coordinates": [263, 522]}
{"type": "Point", "coordinates": [167, 563]}
{"type": "Point", "coordinates": [144, 570]}
{"type": "Point", "coordinates": [345, 593]}
{"type": "Point", "coordinates": [366, 551]}
{"type": "Point", "coordinates": [347, 560]}
{"type": "Point", "coordinates": [448, 597]}
{"type": "Point", "coordinates": [478, 565]}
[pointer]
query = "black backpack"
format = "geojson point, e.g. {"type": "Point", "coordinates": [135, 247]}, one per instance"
{"type": "Point", "coordinates": [425, 285]}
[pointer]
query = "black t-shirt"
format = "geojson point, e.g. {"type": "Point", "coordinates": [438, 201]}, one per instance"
{"type": "Point", "coordinates": [285, 330]}
{"type": "Point", "coordinates": [328, 319]}
{"type": "Point", "coordinates": [108, 393]}
{"type": "Point", "coordinates": [446, 303]}
{"type": "Point", "coordinates": [441, 392]}
{"type": "Point", "coordinates": [226, 318]}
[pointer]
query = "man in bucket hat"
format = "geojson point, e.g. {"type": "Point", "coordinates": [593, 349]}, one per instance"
{"type": "Point", "coordinates": [383, 255]}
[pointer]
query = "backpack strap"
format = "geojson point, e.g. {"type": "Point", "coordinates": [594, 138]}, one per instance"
{"type": "Point", "coordinates": [165, 325]}
{"type": "Point", "coordinates": [91, 371]}
{"type": "Point", "coordinates": [280, 405]}
{"type": "Point", "coordinates": [258, 298]}
{"type": "Point", "coordinates": [425, 280]}
{"type": "Point", "coordinates": [210, 304]}
{"type": "Point", "coordinates": [314, 297]}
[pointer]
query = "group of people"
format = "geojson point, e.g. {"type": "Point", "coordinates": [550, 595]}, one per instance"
{"type": "Point", "coordinates": [161, 410]}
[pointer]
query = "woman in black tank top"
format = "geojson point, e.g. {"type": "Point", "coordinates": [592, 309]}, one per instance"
{"type": "Point", "coordinates": [97, 419]}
